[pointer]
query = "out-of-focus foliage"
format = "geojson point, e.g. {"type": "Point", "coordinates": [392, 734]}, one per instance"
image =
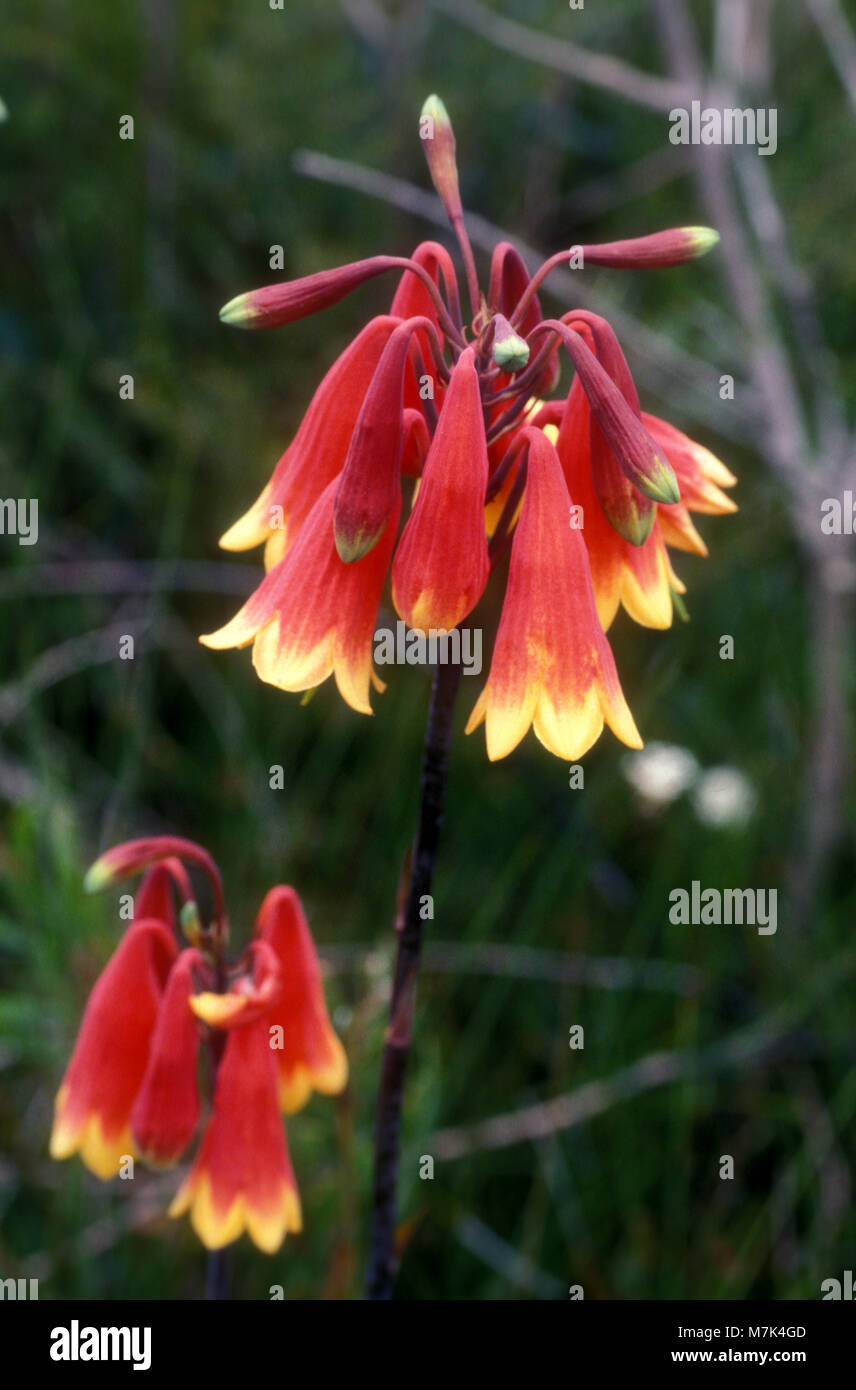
{"type": "Point", "coordinates": [116, 257]}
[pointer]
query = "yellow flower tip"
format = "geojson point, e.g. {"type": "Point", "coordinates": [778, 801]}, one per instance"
{"type": "Point", "coordinates": [332, 1078]}
{"type": "Point", "coordinates": [98, 875]}
{"type": "Point", "coordinates": [236, 633]}
{"type": "Point", "coordinates": [294, 1090]}
{"type": "Point", "coordinates": [239, 312]}
{"type": "Point", "coordinates": [702, 239]}
{"type": "Point", "coordinates": [267, 1229]}
{"type": "Point", "coordinates": [100, 1155]}
{"type": "Point", "coordinates": [219, 1010]}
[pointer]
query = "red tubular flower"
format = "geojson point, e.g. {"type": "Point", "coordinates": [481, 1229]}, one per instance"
{"type": "Point", "coordinates": [295, 299]}
{"type": "Point", "coordinates": [675, 246]}
{"type": "Point", "coordinates": [411, 301]}
{"type": "Point", "coordinates": [630, 471]}
{"type": "Point", "coordinates": [242, 1177]}
{"type": "Point", "coordinates": [313, 615]}
{"type": "Point", "coordinates": [417, 440]}
{"type": "Point", "coordinates": [637, 576]}
{"type": "Point", "coordinates": [441, 564]}
{"type": "Point", "coordinates": [308, 1053]}
{"type": "Point", "coordinates": [318, 452]}
{"type": "Point", "coordinates": [552, 667]}
{"type": "Point", "coordinates": [166, 1110]}
{"type": "Point", "coordinates": [369, 487]}
{"type": "Point", "coordinates": [94, 1102]}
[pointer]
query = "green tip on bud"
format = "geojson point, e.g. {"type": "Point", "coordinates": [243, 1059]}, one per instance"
{"type": "Point", "coordinates": [353, 547]}
{"type": "Point", "coordinates": [438, 146]}
{"type": "Point", "coordinates": [239, 312]}
{"type": "Point", "coordinates": [659, 483]}
{"type": "Point", "coordinates": [98, 876]}
{"type": "Point", "coordinates": [433, 114]}
{"type": "Point", "coordinates": [635, 527]}
{"type": "Point", "coordinates": [510, 351]}
{"type": "Point", "coordinates": [190, 923]}
{"type": "Point", "coordinates": [702, 239]}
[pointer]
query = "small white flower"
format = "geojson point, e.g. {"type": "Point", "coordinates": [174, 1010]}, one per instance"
{"type": "Point", "coordinates": [724, 796]}
{"type": "Point", "coordinates": [660, 772]}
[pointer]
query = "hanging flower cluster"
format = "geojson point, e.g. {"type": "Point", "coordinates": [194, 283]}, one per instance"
{"type": "Point", "coordinates": [131, 1088]}
{"type": "Point", "coordinates": [588, 491]}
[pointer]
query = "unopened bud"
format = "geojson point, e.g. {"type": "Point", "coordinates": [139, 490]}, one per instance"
{"type": "Point", "coordinates": [438, 144]}
{"type": "Point", "coordinates": [510, 351]}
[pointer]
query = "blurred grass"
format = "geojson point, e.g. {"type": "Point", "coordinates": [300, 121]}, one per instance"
{"type": "Point", "coordinates": [117, 256]}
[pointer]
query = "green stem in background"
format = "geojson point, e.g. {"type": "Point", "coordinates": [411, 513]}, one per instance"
{"type": "Point", "coordinates": [435, 758]}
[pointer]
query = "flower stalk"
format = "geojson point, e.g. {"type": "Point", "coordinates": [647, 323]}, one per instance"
{"type": "Point", "coordinates": [435, 762]}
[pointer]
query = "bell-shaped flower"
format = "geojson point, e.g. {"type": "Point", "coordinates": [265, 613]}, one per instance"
{"type": "Point", "coordinates": [242, 1178]}
{"type": "Point", "coordinates": [166, 1110]}
{"type": "Point", "coordinates": [107, 1066]}
{"type": "Point", "coordinates": [313, 615]}
{"type": "Point", "coordinates": [308, 1053]}
{"type": "Point", "coordinates": [552, 666]}
{"type": "Point", "coordinates": [441, 563]}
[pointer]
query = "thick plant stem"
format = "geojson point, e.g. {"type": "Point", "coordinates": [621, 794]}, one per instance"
{"type": "Point", "coordinates": [435, 758]}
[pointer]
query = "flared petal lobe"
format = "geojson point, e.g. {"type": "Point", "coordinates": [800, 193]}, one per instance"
{"type": "Point", "coordinates": [242, 1177]}
{"type": "Point", "coordinates": [552, 666]}
{"type": "Point", "coordinates": [166, 1110]}
{"type": "Point", "coordinates": [313, 615]}
{"type": "Point", "coordinates": [95, 1100]}
{"type": "Point", "coordinates": [441, 564]}
{"type": "Point", "coordinates": [251, 996]}
{"type": "Point", "coordinates": [700, 474]}
{"type": "Point", "coordinates": [308, 1054]}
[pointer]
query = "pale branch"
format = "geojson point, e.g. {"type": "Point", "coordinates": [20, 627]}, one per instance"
{"type": "Point", "coordinates": [751, 1046]}
{"type": "Point", "coordinates": [839, 39]}
{"type": "Point", "coordinates": [595, 69]}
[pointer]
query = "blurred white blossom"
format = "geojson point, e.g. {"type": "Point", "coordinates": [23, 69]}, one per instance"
{"type": "Point", "coordinates": [724, 796]}
{"type": "Point", "coordinates": [660, 772]}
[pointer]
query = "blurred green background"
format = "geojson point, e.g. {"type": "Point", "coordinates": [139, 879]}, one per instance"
{"type": "Point", "coordinates": [551, 904]}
